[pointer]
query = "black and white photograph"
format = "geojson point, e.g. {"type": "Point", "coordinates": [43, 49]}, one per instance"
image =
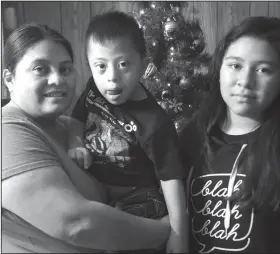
{"type": "Point", "coordinates": [140, 126]}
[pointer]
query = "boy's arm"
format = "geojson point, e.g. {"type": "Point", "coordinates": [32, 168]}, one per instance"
{"type": "Point", "coordinates": [175, 198]}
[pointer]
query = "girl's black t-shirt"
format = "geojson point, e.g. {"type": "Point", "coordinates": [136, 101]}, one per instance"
{"type": "Point", "coordinates": [249, 230]}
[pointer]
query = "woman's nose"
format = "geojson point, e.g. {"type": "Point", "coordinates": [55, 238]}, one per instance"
{"type": "Point", "coordinates": [55, 78]}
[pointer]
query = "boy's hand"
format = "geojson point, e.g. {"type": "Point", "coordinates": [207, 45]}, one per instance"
{"type": "Point", "coordinates": [176, 243]}
{"type": "Point", "coordinates": [81, 156]}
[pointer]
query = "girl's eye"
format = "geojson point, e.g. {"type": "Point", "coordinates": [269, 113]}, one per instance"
{"type": "Point", "coordinates": [264, 70]}
{"type": "Point", "coordinates": [235, 66]}
{"type": "Point", "coordinates": [123, 64]}
{"type": "Point", "coordinates": [41, 70]}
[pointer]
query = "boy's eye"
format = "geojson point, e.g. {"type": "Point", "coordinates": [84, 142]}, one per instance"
{"type": "Point", "coordinates": [41, 70]}
{"type": "Point", "coordinates": [100, 66]}
{"type": "Point", "coordinates": [123, 64]}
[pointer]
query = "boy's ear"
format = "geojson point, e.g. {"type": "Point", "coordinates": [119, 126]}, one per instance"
{"type": "Point", "coordinates": [8, 79]}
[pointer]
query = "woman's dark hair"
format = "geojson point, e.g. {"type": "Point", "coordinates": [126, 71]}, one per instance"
{"type": "Point", "coordinates": [115, 25]}
{"type": "Point", "coordinates": [261, 186]}
{"type": "Point", "coordinates": [24, 37]}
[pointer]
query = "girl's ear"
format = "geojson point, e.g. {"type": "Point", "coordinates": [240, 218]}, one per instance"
{"type": "Point", "coordinates": [8, 79]}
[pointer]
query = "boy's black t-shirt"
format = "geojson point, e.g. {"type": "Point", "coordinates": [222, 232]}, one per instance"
{"type": "Point", "coordinates": [146, 154]}
{"type": "Point", "coordinates": [250, 231]}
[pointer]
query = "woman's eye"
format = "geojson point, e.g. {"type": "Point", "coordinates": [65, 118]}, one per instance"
{"type": "Point", "coordinates": [66, 70]}
{"type": "Point", "coordinates": [40, 70]}
{"type": "Point", "coordinates": [123, 64]}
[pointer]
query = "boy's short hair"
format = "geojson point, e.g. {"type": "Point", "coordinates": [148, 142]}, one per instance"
{"type": "Point", "coordinates": [114, 25]}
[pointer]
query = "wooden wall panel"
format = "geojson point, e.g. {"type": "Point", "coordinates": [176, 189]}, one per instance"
{"type": "Point", "coordinates": [258, 8]}
{"type": "Point", "coordinates": [206, 13]}
{"type": "Point", "coordinates": [188, 11]}
{"type": "Point", "coordinates": [75, 19]}
{"type": "Point", "coordinates": [230, 14]}
{"type": "Point", "coordinates": [99, 7]}
{"type": "Point", "coordinates": [274, 9]}
{"type": "Point", "coordinates": [43, 12]}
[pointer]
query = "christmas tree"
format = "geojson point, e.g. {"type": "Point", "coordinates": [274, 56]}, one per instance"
{"type": "Point", "coordinates": [177, 69]}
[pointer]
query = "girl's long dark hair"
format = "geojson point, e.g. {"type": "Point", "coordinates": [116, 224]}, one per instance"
{"type": "Point", "coordinates": [261, 163]}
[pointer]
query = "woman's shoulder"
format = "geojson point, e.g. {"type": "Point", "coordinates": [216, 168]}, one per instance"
{"type": "Point", "coordinates": [10, 111]}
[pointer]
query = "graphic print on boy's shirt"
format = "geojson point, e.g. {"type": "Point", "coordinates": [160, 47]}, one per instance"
{"type": "Point", "coordinates": [208, 199]}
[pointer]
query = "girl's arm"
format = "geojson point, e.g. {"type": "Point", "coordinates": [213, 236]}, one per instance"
{"type": "Point", "coordinates": [175, 198]}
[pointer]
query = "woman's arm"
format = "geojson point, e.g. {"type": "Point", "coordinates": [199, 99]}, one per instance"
{"type": "Point", "coordinates": [37, 188]}
{"type": "Point", "coordinates": [75, 131]}
{"type": "Point", "coordinates": [48, 200]}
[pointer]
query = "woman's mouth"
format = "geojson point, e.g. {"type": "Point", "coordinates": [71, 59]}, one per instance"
{"type": "Point", "coordinates": [55, 94]}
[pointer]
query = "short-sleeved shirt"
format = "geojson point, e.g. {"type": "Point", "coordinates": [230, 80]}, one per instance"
{"type": "Point", "coordinates": [249, 230]}
{"type": "Point", "coordinates": [24, 149]}
{"type": "Point", "coordinates": [132, 144]}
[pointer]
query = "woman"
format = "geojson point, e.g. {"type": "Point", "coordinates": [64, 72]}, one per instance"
{"type": "Point", "coordinates": [48, 203]}
{"type": "Point", "coordinates": [233, 146]}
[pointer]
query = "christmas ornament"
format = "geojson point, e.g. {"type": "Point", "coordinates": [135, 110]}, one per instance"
{"type": "Point", "coordinates": [171, 27]}
{"type": "Point", "coordinates": [150, 70]}
{"type": "Point", "coordinates": [201, 70]}
{"type": "Point", "coordinates": [165, 94]}
{"type": "Point", "coordinates": [142, 11]}
{"type": "Point", "coordinates": [163, 104]}
{"type": "Point", "coordinates": [155, 5]}
{"type": "Point", "coordinates": [198, 45]}
{"type": "Point", "coordinates": [185, 83]}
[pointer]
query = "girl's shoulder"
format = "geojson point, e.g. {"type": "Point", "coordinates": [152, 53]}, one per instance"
{"type": "Point", "coordinates": [191, 132]}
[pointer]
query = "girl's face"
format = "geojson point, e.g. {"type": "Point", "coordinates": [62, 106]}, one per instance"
{"type": "Point", "coordinates": [250, 77]}
{"type": "Point", "coordinates": [116, 68]}
{"type": "Point", "coordinates": [43, 82]}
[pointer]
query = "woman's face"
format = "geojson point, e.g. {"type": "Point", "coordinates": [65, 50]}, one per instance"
{"type": "Point", "coordinates": [43, 83]}
{"type": "Point", "coordinates": [250, 77]}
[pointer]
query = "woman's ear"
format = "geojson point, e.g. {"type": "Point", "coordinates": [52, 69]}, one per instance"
{"type": "Point", "coordinates": [8, 79]}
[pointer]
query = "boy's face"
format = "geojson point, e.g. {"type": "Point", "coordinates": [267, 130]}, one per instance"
{"type": "Point", "coordinates": [116, 68]}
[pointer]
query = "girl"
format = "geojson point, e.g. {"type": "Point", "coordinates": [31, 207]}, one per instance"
{"type": "Point", "coordinates": [234, 191]}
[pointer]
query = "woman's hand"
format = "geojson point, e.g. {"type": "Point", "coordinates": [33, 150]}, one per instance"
{"type": "Point", "coordinates": [81, 156]}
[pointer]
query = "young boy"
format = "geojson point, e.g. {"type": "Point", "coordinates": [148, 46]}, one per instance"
{"type": "Point", "coordinates": [132, 142]}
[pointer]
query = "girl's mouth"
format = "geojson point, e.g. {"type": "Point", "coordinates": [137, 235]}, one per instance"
{"type": "Point", "coordinates": [114, 92]}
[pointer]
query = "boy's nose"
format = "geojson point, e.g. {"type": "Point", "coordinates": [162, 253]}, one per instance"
{"type": "Point", "coordinates": [112, 74]}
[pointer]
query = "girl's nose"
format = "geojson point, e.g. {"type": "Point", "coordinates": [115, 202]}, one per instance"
{"type": "Point", "coordinates": [246, 78]}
